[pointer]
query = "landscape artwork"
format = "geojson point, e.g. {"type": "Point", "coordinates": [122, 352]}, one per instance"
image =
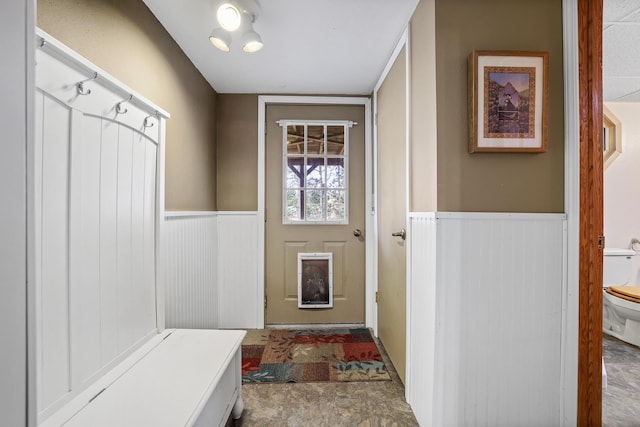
{"type": "Point", "coordinates": [509, 110]}
{"type": "Point", "coordinates": [508, 95]}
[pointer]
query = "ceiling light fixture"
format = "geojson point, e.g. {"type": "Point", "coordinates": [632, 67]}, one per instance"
{"type": "Point", "coordinates": [236, 15]}
{"type": "Point", "coordinates": [251, 41]}
{"type": "Point", "coordinates": [221, 39]}
{"type": "Point", "coordinates": [228, 16]}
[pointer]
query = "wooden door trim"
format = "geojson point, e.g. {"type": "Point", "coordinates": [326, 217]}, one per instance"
{"type": "Point", "coordinates": [263, 101]}
{"type": "Point", "coordinates": [589, 398]}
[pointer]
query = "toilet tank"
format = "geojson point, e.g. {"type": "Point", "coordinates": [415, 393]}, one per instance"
{"type": "Point", "coordinates": [617, 266]}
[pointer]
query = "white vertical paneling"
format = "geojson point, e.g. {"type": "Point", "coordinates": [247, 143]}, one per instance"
{"type": "Point", "coordinates": [148, 306]}
{"type": "Point", "coordinates": [138, 291]}
{"type": "Point", "coordinates": [422, 274]}
{"type": "Point", "coordinates": [108, 241]}
{"type": "Point", "coordinates": [123, 239]}
{"type": "Point", "coordinates": [190, 252]}
{"type": "Point", "coordinates": [499, 319]}
{"type": "Point", "coordinates": [84, 249]}
{"type": "Point", "coordinates": [54, 264]}
{"type": "Point", "coordinates": [238, 270]}
{"type": "Point", "coordinates": [97, 190]}
{"type": "Point", "coordinates": [37, 231]}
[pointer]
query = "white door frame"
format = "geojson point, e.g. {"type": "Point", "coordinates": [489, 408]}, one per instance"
{"type": "Point", "coordinates": [371, 235]}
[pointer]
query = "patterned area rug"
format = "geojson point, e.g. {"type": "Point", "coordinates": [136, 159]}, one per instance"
{"type": "Point", "coordinates": [316, 355]}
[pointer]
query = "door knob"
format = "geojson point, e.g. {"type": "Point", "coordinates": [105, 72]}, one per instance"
{"type": "Point", "coordinates": [402, 234]}
{"type": "Point", "coordinates": [357, 232]}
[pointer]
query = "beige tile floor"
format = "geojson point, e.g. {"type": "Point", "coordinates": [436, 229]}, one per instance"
{"type": "Point", "coordinates": [358, 404]}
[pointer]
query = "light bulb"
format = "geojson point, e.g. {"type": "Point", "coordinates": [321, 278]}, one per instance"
{"type": "Point", "coordinates": [229, 17]}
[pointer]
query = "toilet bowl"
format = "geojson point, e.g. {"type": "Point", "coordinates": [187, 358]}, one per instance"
{"type": "Point", "coordinates": [621, 302]}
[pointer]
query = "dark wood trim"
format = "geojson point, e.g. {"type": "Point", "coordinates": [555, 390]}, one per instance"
{"type": "Point", "coordinates": [591, 226]}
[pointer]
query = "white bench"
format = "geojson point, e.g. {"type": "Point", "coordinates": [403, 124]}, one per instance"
{"type": "Point", "coordinates": [184, 377]}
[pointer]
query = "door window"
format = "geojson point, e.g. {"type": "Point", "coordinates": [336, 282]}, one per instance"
{"type": "Point", "coordinates": [315, 172]}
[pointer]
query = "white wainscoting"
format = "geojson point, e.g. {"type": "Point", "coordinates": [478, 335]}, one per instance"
{"type": "Point", "coordinates": [190, 254]}
{"type": "Point", "coordinates": [499, 319]}
{"type": "Point", "coordinates": [211, 270]}
{"type": "Point", "coordinates": [238, 270]}
{"type": "Point", "coordinates": [421, 300]}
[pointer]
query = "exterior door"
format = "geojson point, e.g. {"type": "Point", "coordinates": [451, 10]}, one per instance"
{"type": "Point", "coordinates": [315, 203]}
{"type": "Point", "coordinates": [391, 132]}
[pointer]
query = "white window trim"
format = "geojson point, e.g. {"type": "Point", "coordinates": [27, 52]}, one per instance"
{"type": "Point", "coordinates": [285, 123]}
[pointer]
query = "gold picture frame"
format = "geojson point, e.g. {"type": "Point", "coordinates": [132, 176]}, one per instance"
{"type": "Point", "coordinates": [508, 101]}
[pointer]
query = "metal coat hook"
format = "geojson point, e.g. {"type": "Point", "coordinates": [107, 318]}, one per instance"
{"type": "Point", "coordinates": [119, 109]}
{"type": "Point", "coordinates": [43, 42]}
{"type": "Point", "coordinates": [80, 86]}
{"type": "Point", "coordinates": [146, 122]}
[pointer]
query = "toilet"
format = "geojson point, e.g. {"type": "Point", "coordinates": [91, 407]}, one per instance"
{"type": "Point", "coordinates": [621, 303]}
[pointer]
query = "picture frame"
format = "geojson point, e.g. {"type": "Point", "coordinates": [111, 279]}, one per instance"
{"type": "Point", "coordinates": [315, 280]}
{"type": "Point", "coordinates": [508, 101]}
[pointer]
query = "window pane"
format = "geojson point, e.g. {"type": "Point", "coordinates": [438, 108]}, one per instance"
{"type": "Point", "coordinates": [335, 173]}
{"type": "Point", "coordinates": [335, 205]}
{"type": "Point", "coordinates": [315, 140]}
{"type": "Point", "coordinates": [295, 177]}
{"type": "Point", "coordinates": [293, 205]}
{"type": "Point", "coordinates": [295, 139]}
{"type": "Point", "coordinates": [315, 172]}
{"type": "Point", "coordinates": [335, 140]}
{"type": "Point", "coordinates": [314, 202]}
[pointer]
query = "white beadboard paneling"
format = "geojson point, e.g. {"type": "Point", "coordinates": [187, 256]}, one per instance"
{"type": "Point", "coordinates": [108, 241]}
{"type": "Point", "coordinates": [422, 301]}
{"type": "Point", "coordinates": [500, 282]}
{"type": "Point", "coordinates": [84, 250]}
{"type": "Point", "coordinates": [54, 320]}
{"type": "Point", "coordinates": [123, 239]}
{"type": "Point", "coordinates": [148, 305]}
{"type": "Point", "coordinates": [190, 252]}
{"type": "Point", "coordinates": [238, 270]}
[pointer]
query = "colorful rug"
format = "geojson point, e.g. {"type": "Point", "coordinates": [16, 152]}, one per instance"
{"type": "Point", "coordinates": [317, 355]}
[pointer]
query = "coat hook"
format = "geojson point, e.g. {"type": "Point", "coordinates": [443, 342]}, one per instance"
{"type": "Point", "coordinates": [147, 123]}
{"type": "Point", "coordinates": [80, 86]}
{"type": "Point", "coordinates": [119, 109]}
{"type": "Point", "coordinates": [43, 42]}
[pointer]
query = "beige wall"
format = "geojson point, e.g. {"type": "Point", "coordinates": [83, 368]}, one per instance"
{"type": "Point", "coordinates": [497, 182]}
{"type": "Point", "coordinates": [125, 39]}
{"type": "Point", "coordinates": [423, 133]}
{"type": "Point", "coordinates": [237, 152]}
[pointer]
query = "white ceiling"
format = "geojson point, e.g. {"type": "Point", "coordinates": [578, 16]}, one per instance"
{"type": "Point", "coordinates": [621, 51]}
{"type": "Point", "coordinates": [341, 46]}
{"type": "Point", "coordinates": [310, 46]}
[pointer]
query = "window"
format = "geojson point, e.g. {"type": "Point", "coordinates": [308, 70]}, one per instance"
{"type": "Point", "coordinates": [315, 172]}
{"type": "Point", "coordinates": [612, 137]}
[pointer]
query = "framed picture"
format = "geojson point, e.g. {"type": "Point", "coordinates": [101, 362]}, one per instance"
{"type": "Point", "coordinates": [508, 94]}
{"type": "Point", "coordinates": [315, 280]}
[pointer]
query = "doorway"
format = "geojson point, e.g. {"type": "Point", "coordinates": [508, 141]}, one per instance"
{"type": "Point", "coordinates": [391, 113]}
{"type": "Point", "coordinates": [370, 276]}
{"type": "Point", "coordinates": [315, 200]}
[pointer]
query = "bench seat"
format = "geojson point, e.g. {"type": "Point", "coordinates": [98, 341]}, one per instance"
{"type": "Point", "coordinates": [191, 377]}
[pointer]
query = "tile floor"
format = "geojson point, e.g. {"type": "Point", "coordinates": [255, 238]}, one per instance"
{"type": "Point", "coordinates": [621, 399]}
{"type": "Point", "coordinates": [361, 404]}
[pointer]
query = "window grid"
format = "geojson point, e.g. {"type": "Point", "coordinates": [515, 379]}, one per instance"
{"type": "Point", "coordinates": [321, 195]}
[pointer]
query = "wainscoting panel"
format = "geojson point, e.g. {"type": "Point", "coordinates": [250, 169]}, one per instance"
{"type": "Point", "coordinates": [500, 285]}
{"type": "Point", "coordinates": [421, 299]}
{"type": "Point", "coordinates": [190, 252]}
{"type": "Point", "coordinates": [238, 270]}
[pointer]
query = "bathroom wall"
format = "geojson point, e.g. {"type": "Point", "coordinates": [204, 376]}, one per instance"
{"type": "Point", "coordinates": [127, 41]}
{"type": "Point", "coordinates": [621, 178]}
